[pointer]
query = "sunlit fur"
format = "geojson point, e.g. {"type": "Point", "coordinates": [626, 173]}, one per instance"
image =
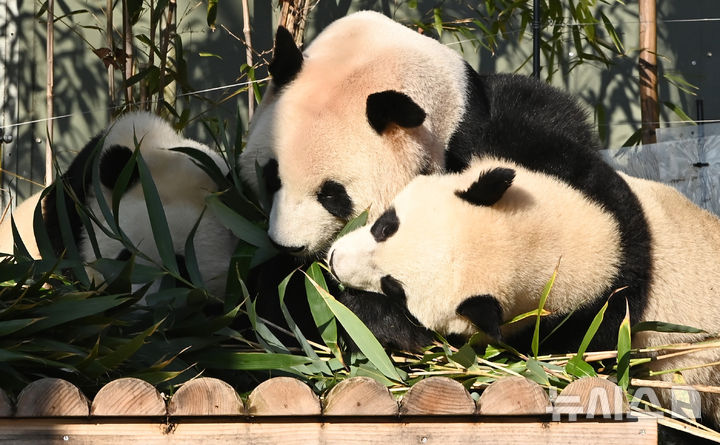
{"type": "Point", "coordinates": [182, 187]}
{"type": "Point", "coordinates": [316, 126]}
{"type": "Point", "coordinates": [447, 250]}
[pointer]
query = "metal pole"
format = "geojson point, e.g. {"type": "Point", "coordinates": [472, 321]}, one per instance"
{"type": "Point", "coordinates": [536, 38]}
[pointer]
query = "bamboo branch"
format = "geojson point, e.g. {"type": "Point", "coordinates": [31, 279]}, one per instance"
{"type": "Point", "coordinates": [164, 45]}
{"type": "Point", "coordinates": [248, 54]}
{"type": "Point", "coordinates": [50, 67]}
{"type": "Point", "coordinates": [111, 47]}
{"type": "Point", "coordinates": [128, 53]}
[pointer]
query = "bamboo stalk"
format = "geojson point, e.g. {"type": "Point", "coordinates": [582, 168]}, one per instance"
{"type": "Point", "coordinates": [50, 67]}
{"type": "Point", "coordinates": [670, 385]}
{"type": "Point", "coordinates": [164, 45]}
{"type": "Point", "coordinates": [128, 53]}
{"type": "Point", "coordinates": [248, 54]}
{"type": "Point", "coordinates": [111, 47]}
{"type": "Point", "coordinates": [647, 71]}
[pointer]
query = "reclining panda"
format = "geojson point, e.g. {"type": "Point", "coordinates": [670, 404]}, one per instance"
{"type": "Point", "coordinates": [372, 104]}
{"type": "Point", "coordinates": [470, 251]}
{"type": "Point", "coordinates": [181, 184]}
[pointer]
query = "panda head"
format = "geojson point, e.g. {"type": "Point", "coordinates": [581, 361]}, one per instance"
{"type": "Point", "coordinates": [344, 126]}
{"type": "Point", "coordinates": [471, 250]}
{"type": "Point", "coordinates": [182, 186]}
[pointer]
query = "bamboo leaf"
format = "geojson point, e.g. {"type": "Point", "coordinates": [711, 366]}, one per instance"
{"type": "Point", "coordinates": [536, 372]}
{"type": "Point", "coordinates": [543, 298]}
{"type": "Point", "coordinates": [321, 313]}
{"type": "Point", "coordinates": [65, 311]}
{"type": "Point", "coordinates": [623, 350]}
{"type": "Point", "coordinates": [360, 334]}
{"type": "Point", "coordinates": [660, 326]}
{"type": "Point", "coordinates": [124, 351]}
{"type": "Point", "coordinates": [252, 361]}
{"type": "Point", "coordinates": [241, 227]}
{"type": "Point", "coordinates": [354, 223]}
{"type": "Point", "coordinates": [579, 368]}
{"type": "Point", "coordinates": [207, 164]}
{"type": "Point", "coordinates": [594, 326]}
{"type": "Point", "coordinates": [158, 220]}
{"type": "Point", "coordinates": [10, 326]}
{"type": "Point", "coordinates": [282, 289]}
{"type": "Point", "coordinates": [679, 112]}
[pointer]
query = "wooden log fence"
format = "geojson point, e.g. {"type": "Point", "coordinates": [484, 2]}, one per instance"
{"type": "Point", "coordinates": [440, 410]}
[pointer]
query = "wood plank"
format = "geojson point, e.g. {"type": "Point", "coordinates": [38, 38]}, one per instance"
{"type": "Point", "coordinates": [514, 395]}
{"type": "Point", "coordinates": [51, 397]}
{"type": "Point", "coordinates": [360, 396]}
{"type": "Point", "coordinates": [283, 396]}
{"type": "Point", "coordinates": [462, 431]}
{"type": "Point", "coordinates": [6, 405]}
{"type": "Point", "coordinates": [592, 396]}
{"type": "Point", "coordinates": [205, 396]}
{"type": "Point", "coordinates": [437, 395]}
{"type": "Point", "coordinates": [128, 397]}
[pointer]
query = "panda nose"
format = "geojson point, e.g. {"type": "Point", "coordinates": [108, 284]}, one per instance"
{"type": "Point", "coordinates": [292, 250]}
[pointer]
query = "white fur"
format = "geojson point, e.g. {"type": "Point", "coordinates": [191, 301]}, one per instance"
{"type": "Point", "coordinates": [316, 126]}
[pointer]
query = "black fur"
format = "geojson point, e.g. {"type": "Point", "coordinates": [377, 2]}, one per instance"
{"type": "Point", "coordinates": [271, 177]}
{"type": "Point", "coordinates": [287, 59]}
{"type": "Point", "coordinates": [392, 107]}
{"type": "Point", "coordinates": [388, 319]}
{"type": "Point", "coordinates": [112, 162]}
{"type": "Point", "coordinates": [543, 129]}
{"type": "Point", "coordinates": [77, 178]}
{"type": "Point", "coordinates": [483, 311]}
{"type": "Point", "coordinates": [385, 226]}
{"type": "Point", "coordinates": [392, 288]}
{"type": "Point", "coordinates": [334, 198]}
{"type": "Point", "coordinates": [489, 187]}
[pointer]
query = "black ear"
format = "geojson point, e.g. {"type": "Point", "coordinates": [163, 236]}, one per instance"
{"type": "Point", "coordinates": [489, 187]}
{"type": "Point", "coordinates": [112, 162]}
{"type": "Point", "coordinates": [390, 106]}
{"type": "Point", "coordinates": [483, 311]}
{"type": "Point", "coordinates": [287, 58]}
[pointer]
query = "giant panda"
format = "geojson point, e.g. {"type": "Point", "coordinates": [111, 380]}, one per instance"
{"type": "Point", "coordinates": [371, 104]}
{"type": "Point", "coordinates": [472, 250]}
{"type": "Point", "coordinates": [182, 186]}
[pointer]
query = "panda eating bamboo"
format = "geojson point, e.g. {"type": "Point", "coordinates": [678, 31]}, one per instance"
{"type": "Point", "coordinates": [470, 251]}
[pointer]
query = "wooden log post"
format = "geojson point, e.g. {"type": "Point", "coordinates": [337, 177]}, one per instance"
{"type": "Point", "coordinates": [283, 396]}
{"type": "Point", "coordinates": [128, 397]}
{"type": "Point", "coordinates": [206, 396]}
{"type": "Point", "coordinates": [514, 395]}
{"type": "Point", "coordinates": [437, 395]}
{"type": "Point", "coordinates": [359, 396]}
{"type": "Point", "coordinates": [51, 397]}
{"type": "Point", "coordinates": [592, 396]}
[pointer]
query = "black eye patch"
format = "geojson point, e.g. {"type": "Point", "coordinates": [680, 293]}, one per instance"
{"type": "Point", "coordinates": [334, 198]}
{"type": "Point", "coordinates": [271, 176]}
{"type": "Point", "coordinates": [385, 226]}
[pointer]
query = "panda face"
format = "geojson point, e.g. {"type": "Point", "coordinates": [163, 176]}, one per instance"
{"type": "Point", "coordinates": [321, 176]}
{"type": "Point", "coordinates": [469, 251]}
{"type": "Point", "coordinates": [345, 134]}
{"type": "Point", "coordinates": [182, 187]}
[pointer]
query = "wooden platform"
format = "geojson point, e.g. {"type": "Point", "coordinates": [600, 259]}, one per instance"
{"type": "Point", "coordinates": [359, 410]}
